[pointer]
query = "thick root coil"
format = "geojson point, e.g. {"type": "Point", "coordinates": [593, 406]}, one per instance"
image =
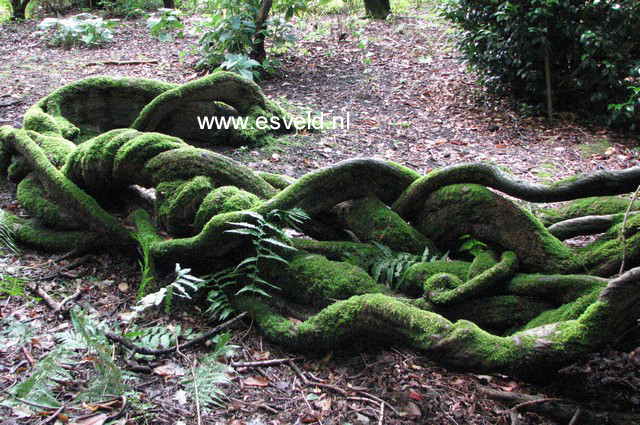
{"type": "Point", "coordinates": [440, 261]}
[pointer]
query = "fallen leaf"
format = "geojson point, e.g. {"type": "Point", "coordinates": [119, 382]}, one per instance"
{"type": "Point", "coordinates": [93, 420]}
{"type": "Point", "coordinates": [180, 397]}
{"type": "Point", "coordinates": [169, 370]}
{"type": "Point", "coordinates": [255, 381]}
{"type": "Point", "coordinates": [261, 355]}
{"type": "Point", "coordinates": [412, 409]}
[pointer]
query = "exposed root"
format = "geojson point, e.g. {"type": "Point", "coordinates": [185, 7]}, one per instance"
{"type": "Point", "coordinates": [87, 196]}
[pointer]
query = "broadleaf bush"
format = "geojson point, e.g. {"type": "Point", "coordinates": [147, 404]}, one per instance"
{"type": "Point", "coordinates": [593, 47]}
{"type": "Point", "coordinates": [84, 29]}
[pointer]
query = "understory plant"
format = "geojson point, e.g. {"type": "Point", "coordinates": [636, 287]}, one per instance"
{"type": "Point", "coordinates": [165, 24]}
{"type": "Point", "coordinates": [7, 243]}
{"type": "Point", "coordinates": [587, 52]}
{"type": "Point", "coordinates": [268, 239]}
{"type": "Point", "coordinates": [387, 266]}
{"type": "Point", "coordinates": [84, 29]}
{"type": "Point", "coordinates": [235, 33]}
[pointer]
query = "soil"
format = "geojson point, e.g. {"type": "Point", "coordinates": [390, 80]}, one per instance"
{"type": "Point", "coordinates": [411, 100]}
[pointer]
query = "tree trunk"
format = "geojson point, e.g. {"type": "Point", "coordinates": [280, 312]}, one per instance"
{"type": "Point", "coordinates": [258, 53]}
{"type": "Point", "coordinates": [169, 4]}
{"type": "Point", "coordinates": [377, 9]}
{"type": "Point", "coordinates": [19, 9]}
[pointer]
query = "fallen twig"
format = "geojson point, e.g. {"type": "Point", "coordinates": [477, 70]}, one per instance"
{"type": "Point", "coordinates": [55, 414]}
{"type": "Point", "coordinates": [260, 363]}
{"type": "Point", "coordinates": [560, 410]}
{"type": "Point", "coordinates": [115, 62]}
{"type": "Point", "coordinates": [193, 376]}
{"type": "Point", "coordinates": [147, 351]}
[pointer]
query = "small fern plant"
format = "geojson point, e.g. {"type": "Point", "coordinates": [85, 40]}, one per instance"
{"type": "Point", "coordinates": [387, 266]}
{"type": "Point", "coordinates": [182, 284]}
{"type": "Point", "coordinates": [7, 243]}
{"type": "Point", "coordinates": [204, 384]}
{"type": "Point", "coordinates": [268, 236]}
{"type": "Point", "coordinates": [146, 265]}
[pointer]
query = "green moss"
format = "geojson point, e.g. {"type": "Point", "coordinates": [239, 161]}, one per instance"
{"type": "Point", "coordinates": [482, 262]}
{"type": "Point", "coordinates": [38, 121]}
{"type": "Point", "coordinates": [18, 170]}
{"type": "Point", "coordinates": [335, 250]}
{"type": "Point", "coordinates": [35, 201]}
{"type": "Point", "coordinates": [497, 313]}
{"type": "Point", "coordinates": [66, 193]}
{"type": "Point", "coordinates": [313, 279]}
{"type": "Point", "coordinates": [568, 311]}
{"type": "Point", "coordinates": [499, 273]}
{"type": "Point", "coordinates": [185, 163]}
{"type": "Point", "coordinates": [554, 288]}
{"type": "Point", "coordinates": [460, 209]}
{"type": "Point", "coordinates": [178, 202]}
{"type": "Point", "coordinates": [372, 221]}
{"type": "Point", "coordinates": [57, 149]}
{"type": "Point", "coordinates": [416, 276]}
{"type": "Point", "coordinates": [279, 181]}
{"type": "Point", "coordinates": [603, 256]}
{"type": "Point", "coordinates": [603, 205]}
{"type": "Point", "coordinates": [442, 281]}
{"type": "Point", "coordinates": [90, 106]}
{"type": "Point", "coordinates": [175, 111]}
{"type": "Point", "coordinates": [357, 178]}
{"type": "Point", "coordinates": [223, 200]}
{"type": "Point", "coordinates": [27, 233]}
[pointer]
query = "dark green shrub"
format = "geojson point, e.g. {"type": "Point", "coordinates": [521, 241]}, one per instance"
{"type": "Point", "coordinates": [593, 47]}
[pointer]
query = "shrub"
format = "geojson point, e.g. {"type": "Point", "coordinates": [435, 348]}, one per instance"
{"type": "Point", "coordinates": [165, 25]}
{"type": "Point", "coordinates": [83, 28]}
{"type": "Point", "coordinates": [593, 48]}
{"type": "Point", "coordinates": [234, 36]}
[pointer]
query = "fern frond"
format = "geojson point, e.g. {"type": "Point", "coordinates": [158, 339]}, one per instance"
{"type": "Point", "coordinates": [210, 376]}
{"type": "Point", "coordinates": [7, 243]}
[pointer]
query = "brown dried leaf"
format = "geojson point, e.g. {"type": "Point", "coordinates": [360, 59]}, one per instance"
{"type": "Point", "coordinates": [255, 381]}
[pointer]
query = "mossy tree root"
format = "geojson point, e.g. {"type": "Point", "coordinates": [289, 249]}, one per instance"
{"type": "Point", "coordinates": [600, 183]}
{"type": "Point", "coordinates": [461, 344]}
{"type": "Point", "coordinates": [68, 189]}
{"type": "Point", "coordinates": [64, 192]}
{"type": "Point", "coordinates": [488, 279]}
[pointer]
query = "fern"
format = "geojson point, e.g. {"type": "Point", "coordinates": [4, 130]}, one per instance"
{"type": "Point", "coordinates": [7, 243]}
{"type": "Point", "coordinates": [159, 337]}
{"type": "Point", "coordinates": [472, 245]}
{"type": "Point", "coordinates": [181, 286]}
{"type": "Point", "coordinates": [37, 388]}
{"type": "Point", "coordinates": [266, 237]}
{"type": "Point", "coordinates": [108, 378]}
{"type": "Point", "coordinates": [217, 286]}
{"type": "Point", "coordinates": [210, 374]}
{"type": "Point", "coordinates": [146, 266]}
{"type": "Point", "coordinates": [387, 266]}
{"type": "Point", "coordinates": [16, 329]}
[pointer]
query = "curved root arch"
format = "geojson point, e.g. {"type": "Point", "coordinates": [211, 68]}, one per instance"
{"type": "Point", "coordinates": [515, 307]}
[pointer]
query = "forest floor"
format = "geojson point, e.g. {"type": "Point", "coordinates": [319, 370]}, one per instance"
{"type": "Point", "coordinates": [410, 100]}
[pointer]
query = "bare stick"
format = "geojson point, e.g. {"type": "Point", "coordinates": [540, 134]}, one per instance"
{"type": "Point", "coordinates": [55, 415]}
{"type": "Point", "coordinates": [114, 62]}
{"type": "Point", "coordinates": [381, 421]}
{"type": "Point", "coordinates": [260, 363]}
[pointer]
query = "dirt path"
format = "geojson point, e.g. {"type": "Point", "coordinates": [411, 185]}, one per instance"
{"type": "Point", "coordinates": [410, 100]}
